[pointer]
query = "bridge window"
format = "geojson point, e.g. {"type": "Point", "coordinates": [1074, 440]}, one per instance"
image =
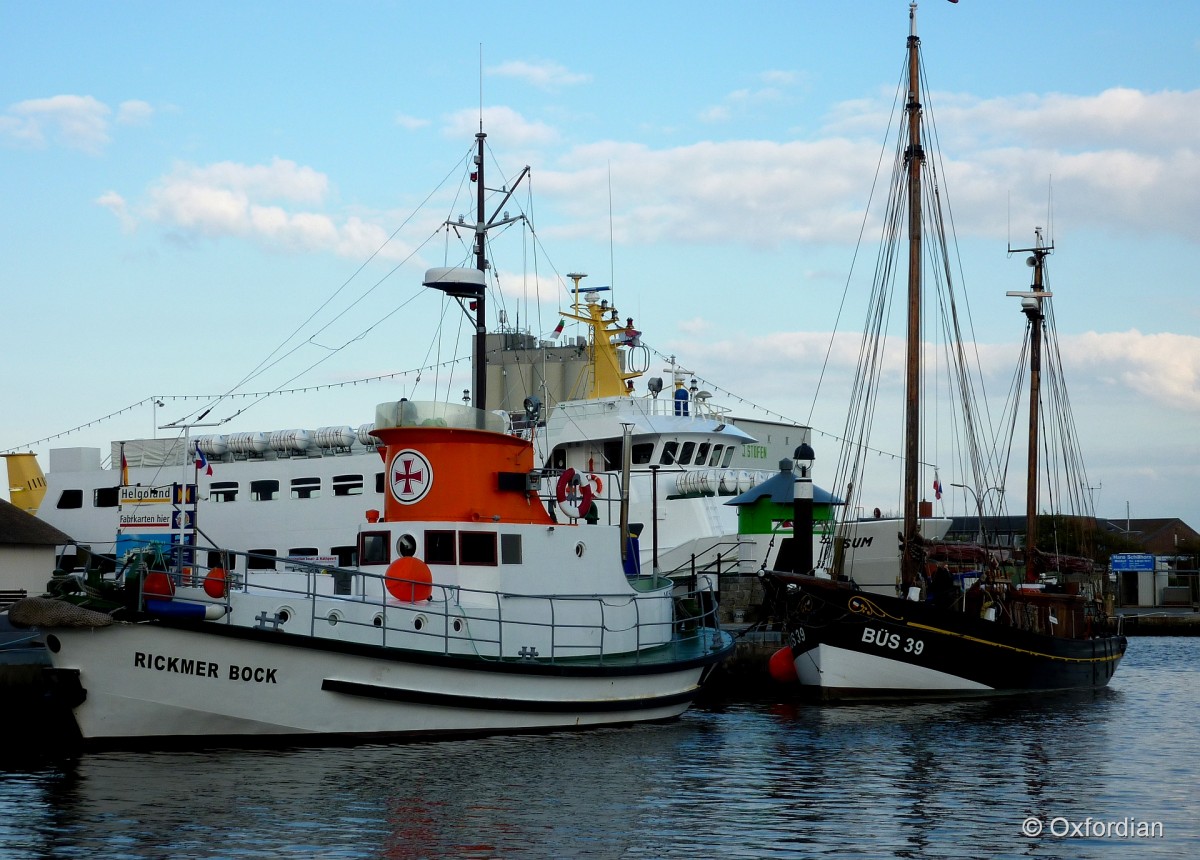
{"type": "Point", "coordinates": [702, 453]}
{"type": "Point", "coordinates": [439, 547]}
{"type": "Point", "coordinates": [510, 549]}
{"type": "Point", "coordinates": [728, 457]}
{"type": "Point", "coordinates": [716, 455]}
{"type": "Point", "coordinates": [347, 485]}
{"type": "Point", "coordinates": [222, 491]}
{"type": "Point", "coordinates": [105, 497]}
{"type": "Point", "coordinates": [477, 548]}
{"type": "Point", "coordinates": [685, 456]}
{"type": "Point", "coordinates": [261, 559]}
{"type": "Point", "coordinates": [263, 491]}
{"type": "Point", "coordinates": [70, 499]}
{"type": "Point", "coordinates": [642, 452]}
{"type": "Point", "coordinates": [306, 488]}
{"type": "Point", "coordinates": [670, 449]}
{"type": "Point", "coordinates": [374, 548]}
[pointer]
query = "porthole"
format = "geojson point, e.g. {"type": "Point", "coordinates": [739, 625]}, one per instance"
{"type": "Point", "coordinates": [378, 619]}
{"type": "Point", "coordinates": [457, 625]}
{"type": "Point", "coordinates": [406, 545]}
{"type": "Point", "coordinates": [419, 623]}
{"type": "Point", "coordinates": [284, 614]}
{"type": "Point", "coordinates": [580, 549]}
{"type": "Point", "coordinates": [333, 618]}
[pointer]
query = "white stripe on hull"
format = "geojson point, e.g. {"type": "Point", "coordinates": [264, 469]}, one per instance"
{"type": "Point", "coordinates": [278, 690]}
{"type": "Point", "coordinates": [834, 668]}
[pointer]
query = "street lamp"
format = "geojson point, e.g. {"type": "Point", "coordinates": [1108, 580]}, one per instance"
{"type": "Point", "coordinates": [979, 505]}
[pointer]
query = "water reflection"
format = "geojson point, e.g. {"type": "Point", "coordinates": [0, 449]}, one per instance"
{"type": "Point", "coordinates": [745, 780]}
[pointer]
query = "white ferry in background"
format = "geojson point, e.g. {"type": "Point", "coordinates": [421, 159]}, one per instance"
{"type": "Point", "coordinates": [300, 493]}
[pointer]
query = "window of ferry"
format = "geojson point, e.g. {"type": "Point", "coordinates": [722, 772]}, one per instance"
{"type": "Point", "coordinates": [303, 552]}
{"type": "Point", "coordinates": [477, 548]}
{"type": "Point", "coordinates": [347, 485]}
{"type": "Point", "coordinates": [105, 497]}
{"type": "Point", "coordinates": [668, 453]}
{"type": "Point", "coordinates": [702, 453]}
{"type": "Point", "coordinates": [642, 452]}
{"type": "Point", "coordinates": [261, 559]}
{"type": "Point", "coordinates": [379, 483]}
{"type": "Point", "coordinates": [217, 558]}
{"type": "Point", "coordinates": [222, 491]}
{"type": "Point", "coordinates": [306, 488]}
{"type": "Point", "coordinates": [716, 455]}
{"type": "Point", "coordinates": [728, 456]}
{"type": "Point", "coordinates": [263, 491]}
{"type": "Point", "coordinates": [70, 499]}
{"type": "Point", "coordinates": [685, 456]}
{"type": "Point", "coordinates": [347, 556]}
{"type": "Point", "coordinates": [439, 547]}
{"type": "Point", "coordinates": [374, 548]}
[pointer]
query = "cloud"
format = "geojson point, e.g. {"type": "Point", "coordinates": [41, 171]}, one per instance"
{"type": "Point", "coordinates": [76, 122]}
{"type": "Point", "coordinates": [115, 203]}
{"type": "Point", "coordinates": [502, 123]}
{"type": "Point", "coordinates": [545, 75]}
{"type": "Point", "coordinates": [411, 123]}
{"type": "Point", "coordinates": [1164, 367]}
{"type": "Point", "coordinates": [134, 112]}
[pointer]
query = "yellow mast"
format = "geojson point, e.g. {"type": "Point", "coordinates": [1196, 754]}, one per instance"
{"type": "Point", "coordinates": [606, 335]}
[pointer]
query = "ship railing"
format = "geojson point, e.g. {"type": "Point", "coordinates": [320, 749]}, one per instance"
{"type": "Point", "coordinates": [654, 623]}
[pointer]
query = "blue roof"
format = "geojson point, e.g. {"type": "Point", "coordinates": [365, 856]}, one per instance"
{"type": "Point", "coordinates": [781, 489]}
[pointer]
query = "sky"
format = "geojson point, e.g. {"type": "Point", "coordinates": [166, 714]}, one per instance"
{"type": "Point", "coordinates": [201, 199]}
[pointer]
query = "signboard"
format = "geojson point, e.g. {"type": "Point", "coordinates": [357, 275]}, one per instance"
{"type": "Point", "coordinates": [1131, 561]}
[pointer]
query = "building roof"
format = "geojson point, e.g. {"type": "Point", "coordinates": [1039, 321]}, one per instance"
{"type": "Point", "coordinates": [781, 488]}
{"type": "Point", "coordinates": [20, 528]}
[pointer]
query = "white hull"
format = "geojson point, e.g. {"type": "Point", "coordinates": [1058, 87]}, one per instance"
{"type": "Point", "coordinates": [832, 668]}
{"type": "Point", "coordinates": [146, 681]}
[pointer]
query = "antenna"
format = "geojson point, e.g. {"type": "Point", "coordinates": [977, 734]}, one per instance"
{"type": "Point", "coordinates": [481, 86]}
{"type": "Point", "coordinates": [611, 273]}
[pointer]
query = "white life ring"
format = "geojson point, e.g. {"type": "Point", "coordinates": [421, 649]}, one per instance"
{"type": "Point", "coordinates": [597, 484]}
{"type": "Point", "coordinates": [574, 494]}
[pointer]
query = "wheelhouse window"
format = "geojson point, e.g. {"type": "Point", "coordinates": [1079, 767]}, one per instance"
{"type": "Point", "coordinates": [222, 491]}
{"type": "Point", "coordinates": [685, 455]}
{"type": "Point", "coordinates": [702, 453]}
{"type": "Point", "coordinates": [105, 497]}
{"type": "Point", "coordinates": [70, 499]}
{"type": "Point", "coordinates": [347, 556]}
{"type": "Point", "coordinates": [347, 485]}
{"type": "Point", "coordinates": [477, 548]}
{"type": "Point", "coordinates": [306, 488]}
{"type": "Point", "coordinates": [642, 452]}
{"type": "Point", "coordinates": [439, 547]}
{"type": "Point", "coordinates": [510, 549]}
{"type": "Point", "coordinates": [263, 491]}
{"type": "Point", "coordinates": [373, 548]}
{"type": "Point", "coordinates": [261, 559]}
{"type": "Point", "coordinates": [379, 483]}
{"type": "Point", "coordinates": [716, 455]}
{"type": "Point", "coordinates": [670, 449]}
{"type": "Point", "coordinates": [728, 457]}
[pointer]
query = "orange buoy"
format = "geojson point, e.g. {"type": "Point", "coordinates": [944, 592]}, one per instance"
{"type": "Point", "coordinates": [409, 579]}
{"type": "Point", "coordinates": [216, 583]}
{"type": "Point", "coordinates": [158, 584]}
{"type": "Point", "coordinates": [782, 665]}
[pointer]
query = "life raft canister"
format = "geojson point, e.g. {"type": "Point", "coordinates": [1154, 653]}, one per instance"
{"type": "Point", "coordinates": [574, 494]}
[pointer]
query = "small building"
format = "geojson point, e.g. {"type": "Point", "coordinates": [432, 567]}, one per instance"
{"type": "Point", "coordinates": [27, 553]}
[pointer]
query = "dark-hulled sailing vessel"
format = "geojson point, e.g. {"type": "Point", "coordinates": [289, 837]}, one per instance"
{"type": "Point", "coordinates": [930, 633]}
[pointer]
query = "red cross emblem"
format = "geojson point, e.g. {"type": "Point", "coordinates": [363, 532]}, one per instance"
{"type": "Point", "coordinates": [411, 476]}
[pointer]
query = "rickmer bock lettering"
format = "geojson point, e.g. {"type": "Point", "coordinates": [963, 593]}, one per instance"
{"type": "Point", "coordinates": [203, 668]}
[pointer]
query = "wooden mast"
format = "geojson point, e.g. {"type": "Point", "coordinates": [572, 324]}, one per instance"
{"type": "Point", "coordinates": [1031, 306]}
{"type": "Point", "coordinates": [914, 158]}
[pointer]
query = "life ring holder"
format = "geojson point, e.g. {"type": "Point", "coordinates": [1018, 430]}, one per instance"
{"type": "Point", "coordinates": [574, 494]}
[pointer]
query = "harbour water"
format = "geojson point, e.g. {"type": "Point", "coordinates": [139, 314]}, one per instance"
{"type": "Point", "coordinates": [1106, 774]}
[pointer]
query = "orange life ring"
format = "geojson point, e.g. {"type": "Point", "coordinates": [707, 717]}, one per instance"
{"type": "Point", "coordinates": [597, 484]}
{"type": "Point", "coordinates": [574, 494]}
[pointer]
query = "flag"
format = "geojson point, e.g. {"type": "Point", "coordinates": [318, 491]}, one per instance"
{"type": "Point", "coordinates": [124, 467]}
{"type": "Point", "coordinates": [558, 329]}
{"type": "Point", "coordinates": [202, 462]}
{"type": "Point", "coordinates": [937, 487]}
